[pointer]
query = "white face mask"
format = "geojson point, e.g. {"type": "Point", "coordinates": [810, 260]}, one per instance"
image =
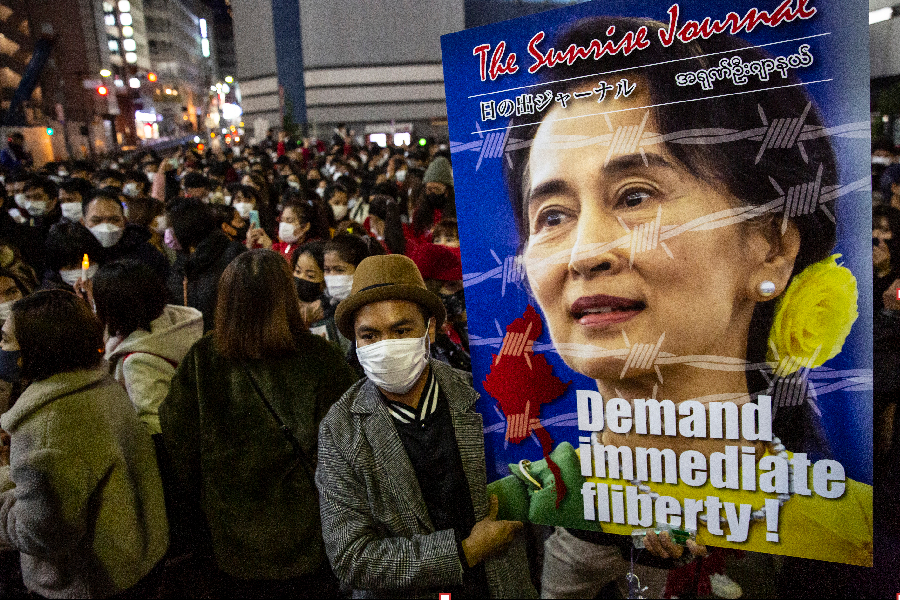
{"type": "Point", "coordinates": [295, 185]}
{"type": "Point", "coordinates": [71, 210]}
{"type": "Point", "coordinates": [227, 199]}
{"type": "Point", "coordinates": [130, 189]}
{"type": "Point", "coordinates": [160, 224]}
{"type": "Point", "coordinates": [150, 175]}
{"type": "Point", "coordinates": [36, 208]}
{"type": "Point", "coordinates": [243, 208]}
{"type": "Point", "coordinates": [401, 176]}
{"type": "Point", "coordinates": [107, 234]}
{"type": "Point", "coordinates": [338, 286]}
{"type": "Point", "coordinates": [394, 365]}
{"type": "Point", "coordinates": [73, 276]}
{"type": "Point", "coordinates": [287, 233]}
{"type": "Point", "coordinates": [6, 309]}
{"type": "Point", "coordinates": [20, 199]}
{"type": "Point", "coordinates": [320, 192]}
{"type": "Point", "coordinates": [339, 210]}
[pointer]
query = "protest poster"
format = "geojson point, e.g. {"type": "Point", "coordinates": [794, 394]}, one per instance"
{"type": "Point", "coordinates": [664, 214]}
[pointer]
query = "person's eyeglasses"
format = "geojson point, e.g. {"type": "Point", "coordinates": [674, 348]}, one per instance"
{"type": "Point", "coordinates": [876, 241]}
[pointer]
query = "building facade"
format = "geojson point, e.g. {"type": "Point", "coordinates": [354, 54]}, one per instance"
{"type": "Point", "coordinates": [374, 66]}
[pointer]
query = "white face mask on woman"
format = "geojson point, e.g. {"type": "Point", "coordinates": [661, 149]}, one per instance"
{"type": "Point", "coordinates": [287, 233]}
{"type": "Point", "coordinates": [339, 286]}
{"type": "Point", "coordinates": [395, 365]}
{"type": "Point", "coordinates": [243, 208]}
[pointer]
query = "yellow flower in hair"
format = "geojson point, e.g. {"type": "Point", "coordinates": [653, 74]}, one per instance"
{"type": "Point", "coordinates": [813, 317]}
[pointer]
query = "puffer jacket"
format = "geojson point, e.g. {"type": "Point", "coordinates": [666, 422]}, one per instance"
{"type": "Point", "coordinates": [145, 361]}
{"type": "Point", "coordinates": [83, 500]}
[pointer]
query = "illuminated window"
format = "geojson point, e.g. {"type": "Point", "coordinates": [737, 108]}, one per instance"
{"type": "Point", "coordinates": [204, 46]}
{"type": "Point", "coordinates": [124, 6]}
{"type": "Point", "coordinates": [130, 45]}
{"type": "Point", "coordinates": [113, 46]}
{"type": "Point", "coordinates": [125, 19]}
{"type": "Point", "coordinates": [134, 83]}
{"type": "Point", "coordinates": [203, 28]}
{"type": "Point", "coordinates": [128, 31]}
{"type": "Point", "coordinates": [110, 19]}
{"type": "Point", "coordinates": [130, 57]}
{"type": "Point", "coordinates": [108, 7]}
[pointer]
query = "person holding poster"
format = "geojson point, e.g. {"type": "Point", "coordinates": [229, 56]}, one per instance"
{"type": "Point", "coordinates": [401, 459]}
{"type": "Point", "coordinates": [674, 189]}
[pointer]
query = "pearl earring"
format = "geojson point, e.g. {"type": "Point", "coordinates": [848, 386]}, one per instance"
{"type": "Point", "coordinates": [766, 288]}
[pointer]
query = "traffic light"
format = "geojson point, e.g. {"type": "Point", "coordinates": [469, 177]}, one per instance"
{"type": "Point", "coordinates": [151, 77]}
{"type": "Point", "coordinates": [422, 141]}
{"type": "Point", "coordinates": [49, 131]}
{"type": "Point", "coordinates": [103, 90]}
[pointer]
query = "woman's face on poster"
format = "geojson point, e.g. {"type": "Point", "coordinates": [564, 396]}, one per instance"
{"type": "Point", "coordinates": [697, 288]}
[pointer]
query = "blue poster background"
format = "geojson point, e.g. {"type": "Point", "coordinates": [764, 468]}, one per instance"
{"type": "Point", "coordinates": [494, 290]}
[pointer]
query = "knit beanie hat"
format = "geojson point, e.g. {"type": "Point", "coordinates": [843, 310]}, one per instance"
{"type": "Point", "coordinates": [439, 170]}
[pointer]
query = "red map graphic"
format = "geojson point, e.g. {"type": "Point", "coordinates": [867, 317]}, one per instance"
{"type": "Point", "coordinates": [521, 381]}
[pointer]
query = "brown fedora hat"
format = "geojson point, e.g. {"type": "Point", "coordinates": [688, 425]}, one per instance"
{"type": "Point", "coordinates": [386, 277]}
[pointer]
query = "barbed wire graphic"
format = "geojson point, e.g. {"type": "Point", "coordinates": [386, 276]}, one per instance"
{"type": "Point", "coordinates": [651, 356]}
{"type": "Point", "coordinates": [781, 133]}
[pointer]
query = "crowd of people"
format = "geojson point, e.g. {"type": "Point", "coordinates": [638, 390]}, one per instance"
{"type": "Point", "coordinates": [170, 348]}
{"type": "Point", "coordinates": [245, 372]}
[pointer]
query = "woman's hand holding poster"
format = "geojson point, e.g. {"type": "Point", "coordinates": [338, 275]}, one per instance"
{"type": "Point", "coordinates": [664, 219]}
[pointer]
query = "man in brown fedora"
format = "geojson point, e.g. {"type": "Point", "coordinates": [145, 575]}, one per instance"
{"type": "Point", "coordinates": [401, 471]}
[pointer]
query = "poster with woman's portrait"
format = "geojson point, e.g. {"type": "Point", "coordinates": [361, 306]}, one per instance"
{"type": "Point", "coordinates": [664, 216]}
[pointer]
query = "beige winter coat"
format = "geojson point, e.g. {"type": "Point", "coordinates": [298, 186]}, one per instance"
{"type": "Point", "coordinates": [85, 508]}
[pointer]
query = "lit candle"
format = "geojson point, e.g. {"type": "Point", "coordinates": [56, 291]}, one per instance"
{"type": "Point", "coordinates": [85, 265]}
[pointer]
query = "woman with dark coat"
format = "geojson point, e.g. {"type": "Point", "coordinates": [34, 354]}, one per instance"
{"type": "Point", "coordinates": [241, 422]}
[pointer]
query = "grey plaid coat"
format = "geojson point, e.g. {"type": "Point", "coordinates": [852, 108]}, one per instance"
{"type": "Point", "coordinates": [375, 523]}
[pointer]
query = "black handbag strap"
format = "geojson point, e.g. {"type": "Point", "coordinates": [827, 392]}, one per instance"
{"type": "Point", "coordinates": [285, 430]}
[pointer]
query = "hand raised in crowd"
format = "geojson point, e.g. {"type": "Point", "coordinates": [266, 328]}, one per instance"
{"type": "Point", "coordinates": [489, 535]}
{"type": "Point", "coordinates": [890, 296]}
{"type": "Point", "coordinates": [662, 546]}
{"type": "Point", "coordinates": [85, 291]}
{"type": "Point", "coordinates": [257, 238]}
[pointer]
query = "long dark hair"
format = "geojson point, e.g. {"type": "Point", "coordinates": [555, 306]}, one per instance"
{"type": "Point", "coordinates": [257, 312]}
{"type": "Point", "coordinates": [738, 166]}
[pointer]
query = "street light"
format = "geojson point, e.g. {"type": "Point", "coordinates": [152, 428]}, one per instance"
{"type": "Point", "coordinates": [103, 90]}
{"type": "Point", "coordinates": [105, 72]}
{"type": "Point", "coordinates": [229, 79]}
